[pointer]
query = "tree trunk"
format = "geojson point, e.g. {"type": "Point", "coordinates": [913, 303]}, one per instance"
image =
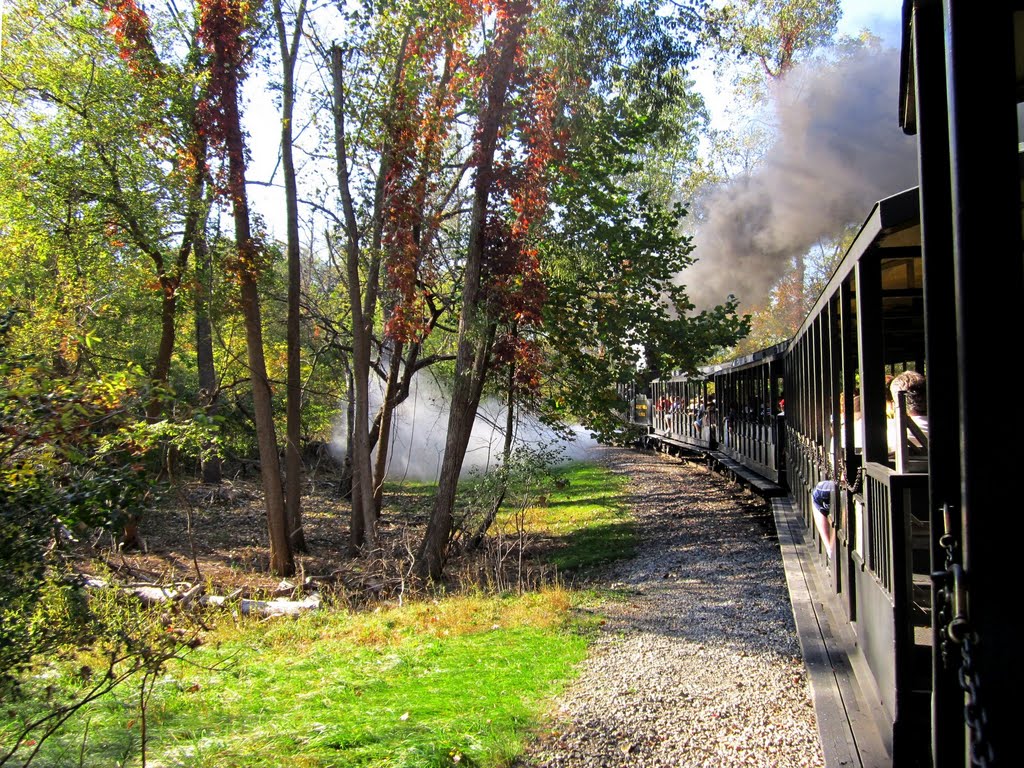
{"type": "Point", "coordinates": [281, 560]}
{"type": "Point", "coordinates": [162, 365]}
{"type": "Point", "coordinates": [293, 457]}
{"type": "Point", "coordinates": [158, 380]}
{"type": "Point", "coordinates": [345, 483]}
{"type": "Point", "coordinates": [506, 454]}
{"type": "Point", "coordinates": [476, 330]}
{"type": "Point", "coordinates": [208, 398]}
{"type": "Point", "coordinates": [362, 326]}
{"type": "Point", "coordinates": [469, 381]}
{"type": "Point", "coordinates": [387, 410]}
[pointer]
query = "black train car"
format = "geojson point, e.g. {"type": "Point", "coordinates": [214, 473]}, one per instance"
{"type": "Point", "coordinates": [919, 552]}
{"type": "Point", "coordinates": [963, 84]}
{"type": "Point", "coordinates": [873, 548]}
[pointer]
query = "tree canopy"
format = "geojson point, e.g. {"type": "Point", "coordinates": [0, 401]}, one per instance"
{"type": "Point", "coordinates": [488, 190]}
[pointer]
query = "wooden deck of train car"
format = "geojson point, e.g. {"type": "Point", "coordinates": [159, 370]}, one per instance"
{"type": "Point", "coordinates": [744, 476]}
{"type": "Point", "coordinates": [851, 737]}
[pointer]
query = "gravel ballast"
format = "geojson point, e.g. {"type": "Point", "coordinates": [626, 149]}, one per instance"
{"type": "Point", "coordinates": [699, 663]}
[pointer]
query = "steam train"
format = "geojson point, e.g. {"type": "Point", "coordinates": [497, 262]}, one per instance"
{"type": "Point", "coordinates": [917, 553]}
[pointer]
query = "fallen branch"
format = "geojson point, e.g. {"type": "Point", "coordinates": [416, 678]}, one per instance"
{"type": "Point", "coordinates": [155, 596]}
{"type": "Point", "coordinates": [279, 607]}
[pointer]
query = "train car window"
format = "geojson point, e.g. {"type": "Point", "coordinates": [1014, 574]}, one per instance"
{"type": "Point", "coordinates": [902, 274]}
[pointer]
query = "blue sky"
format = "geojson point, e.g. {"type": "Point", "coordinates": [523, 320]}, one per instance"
{"type": "Point", "coordinates": [880, 16]}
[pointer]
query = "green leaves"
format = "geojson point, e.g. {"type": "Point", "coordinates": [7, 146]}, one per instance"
{"type": "Point", "coordinates": [613, 258]}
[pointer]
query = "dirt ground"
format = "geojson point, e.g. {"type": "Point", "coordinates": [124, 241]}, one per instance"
{"type": "Point", "coordinates": [216, 535]}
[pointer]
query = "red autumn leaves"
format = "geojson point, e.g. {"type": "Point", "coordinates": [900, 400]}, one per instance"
{"type": "Point", "coordinates": [439, 76]}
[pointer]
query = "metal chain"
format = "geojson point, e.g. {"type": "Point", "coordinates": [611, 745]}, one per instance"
{"type": "Point", "coordinates": [840, 473]}
{"type": "Point", "coordinates": [982, 753]}
{"type": "Point", "coordinates": [951, 584]}
{"type": "Point", "coordinates": [858, 481]}
{"type": "Point", "coordinates": [948, 543]}
{"type": "Point", "coordinates": [824, 465]}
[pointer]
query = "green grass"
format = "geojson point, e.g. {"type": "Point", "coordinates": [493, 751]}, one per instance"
{"type": "Point", "coordinates": [587, 520]}
{"type": "Point", "coordinates": [463, 678]}
{"type": "Point", "coordinates": [459, 680]}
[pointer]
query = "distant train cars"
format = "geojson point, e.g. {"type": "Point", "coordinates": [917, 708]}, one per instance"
{"type": "Point", "coordinates": [924, 527]}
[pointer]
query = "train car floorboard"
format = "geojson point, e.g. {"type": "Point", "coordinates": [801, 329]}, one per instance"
{"type": "Point", "coordinates": [850, 737]}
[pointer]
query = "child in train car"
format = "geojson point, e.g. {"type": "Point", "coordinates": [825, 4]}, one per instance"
{"type": "Point", "coordinates": [913, 440]}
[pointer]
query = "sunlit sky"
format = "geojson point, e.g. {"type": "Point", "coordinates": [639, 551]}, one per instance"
{"type": "Point", "coordinates": [881, 17]}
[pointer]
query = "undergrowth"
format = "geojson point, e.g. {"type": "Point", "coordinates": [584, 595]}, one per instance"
{"type": "Point", "coordinates": [450, 679]}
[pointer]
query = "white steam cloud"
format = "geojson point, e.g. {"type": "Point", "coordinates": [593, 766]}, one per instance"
{"type": "Point", "coordinates": [420, 427]}
{"type": "Point", "coordinates": [838, 150]}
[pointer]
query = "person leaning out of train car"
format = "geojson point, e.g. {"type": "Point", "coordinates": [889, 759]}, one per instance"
{"type": "Point", "coordinates": [823, 502]}
{"type": "Point", "coordinates": [907, 430]}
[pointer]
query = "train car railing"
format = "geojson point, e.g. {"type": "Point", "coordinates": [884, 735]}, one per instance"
{"type": "Point", "coordinates": [753, 443]}
{"type": "Point", "coordinates": [886, 508]}
{"type": "Point", "coordinates": [680, 418]}
{"type": "Point", "coordinates": [890, 502]}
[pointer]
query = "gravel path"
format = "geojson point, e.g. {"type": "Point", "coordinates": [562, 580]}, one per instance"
{"type": "Point", "coordinates": [700, 664]}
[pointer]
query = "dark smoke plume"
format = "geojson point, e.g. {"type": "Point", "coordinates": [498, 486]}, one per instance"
{"type": "Point", "coordinates": [838, 150]}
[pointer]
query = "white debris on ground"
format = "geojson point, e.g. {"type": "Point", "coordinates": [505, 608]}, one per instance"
{"type": "Point", "coordinates": [699, 664]}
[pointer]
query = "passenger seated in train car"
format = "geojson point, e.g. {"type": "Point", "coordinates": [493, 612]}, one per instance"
{"type": "Point", "coordinates": [858, 427]}
{"type": "Point", "coordinates": [710, 418]}
{"type": "Point", "coordinates": [912, 439]}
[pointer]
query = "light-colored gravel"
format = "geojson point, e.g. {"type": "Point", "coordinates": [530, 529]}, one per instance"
{"type": "Point", "coordinates": [699, 665]}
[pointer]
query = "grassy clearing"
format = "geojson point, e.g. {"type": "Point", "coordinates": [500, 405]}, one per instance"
{"type": "Point", "coordinates": [452, 682]}
{"type": "Point", "coordinates": [587, 519]}
{"type": "Point", "coordinates": [458, 680]}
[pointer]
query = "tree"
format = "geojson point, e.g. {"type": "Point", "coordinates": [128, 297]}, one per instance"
{"type": "Point", "coordinates": [489, 237]}
{"type": "Point", "coordinates": [124, 164]}
{"type": "Point", "coordinates": [362, 305]}
{"type": "Point", "coordinates": [400, 83]}
{"type": "Point", "coordinates": [551, 97]}
{"type": "Point", "coordinates": [104, 119]}
{"type": "Point", "coordinates": [289, 48]}
{"type": "Point", "coordinates": [224, 30]}
{"type": "Point", "coordinates": [771, 32]}
{"type": "Point", "coordinates": [616, 314]}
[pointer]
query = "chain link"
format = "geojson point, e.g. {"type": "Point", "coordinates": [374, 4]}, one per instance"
{"type": "Point", "coordinates": [952, 617]}
{"type": "Point", "coordinates": [982, 754]}
{"type": "Point", "coordinates": [948, 543]}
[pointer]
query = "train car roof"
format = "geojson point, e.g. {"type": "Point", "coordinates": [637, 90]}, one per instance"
{"type": "Point", "coordinates": [894, 222]}
{"type": "Point", "coordinates": [907, 104]}
{"type": "Point", "coordinates": [768, 354]}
